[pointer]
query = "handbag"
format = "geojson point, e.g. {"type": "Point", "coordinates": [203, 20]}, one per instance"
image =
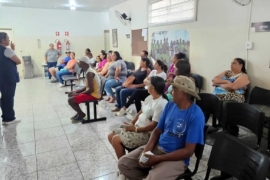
{"type": "Point", "coordinates": [128, 81]}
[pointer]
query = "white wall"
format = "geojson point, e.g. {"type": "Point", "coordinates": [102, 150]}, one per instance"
{"type": "Point", "coordinates": [218, 36]}
{"type": "Point", "coordinates": [137, 10]}
{"type": "Point", "coordinates": [86, 30]}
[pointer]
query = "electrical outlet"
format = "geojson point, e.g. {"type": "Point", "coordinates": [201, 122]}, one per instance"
{"type": "Point", "coordinates": [249, 45]}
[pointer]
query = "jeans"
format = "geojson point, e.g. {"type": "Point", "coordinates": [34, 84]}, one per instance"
{"type": "Point", "coordinates": [50, 65]}
{"type": "Point", "coordinates": [122, 95]}
{"type": "Point", "coordinates": [59, 75]}
{"type": "Point", "coordinates": [111, 83]}
{"type": "Point", "coordinates": [7, 101]}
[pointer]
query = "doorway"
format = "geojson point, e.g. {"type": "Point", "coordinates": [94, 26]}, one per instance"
{"type": "Point", "coordinates": [107, 40]}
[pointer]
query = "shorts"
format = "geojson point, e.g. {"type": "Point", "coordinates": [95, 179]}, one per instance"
{"type": "Point", "coordinates": [132, 139]}
{"type": "Point", "coordinates": [84, 97]}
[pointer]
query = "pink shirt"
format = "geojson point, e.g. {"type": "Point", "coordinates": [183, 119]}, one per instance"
{"type": "Point", "coordinates": [102, 63]}
{"type": "Point", "coordinates": [171, 71]}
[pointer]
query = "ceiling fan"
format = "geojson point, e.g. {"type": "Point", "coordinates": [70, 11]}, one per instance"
{"type": "Point", "coordinates": [242, 2]}
{"type": "Point", "coordinates": [122, 17]}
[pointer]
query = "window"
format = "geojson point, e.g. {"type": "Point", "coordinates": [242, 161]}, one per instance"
{"type": "Point", "coordinates": [169, 11]}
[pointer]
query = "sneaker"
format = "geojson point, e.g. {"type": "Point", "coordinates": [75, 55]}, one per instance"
{"type": "Point", "coordinates": [54, 80]}
{"type": "Point", "coordinates": [11, 122]}
{"type": "Point", "coordinates": [61, 85]}
{"type": "Point", "coordinates": [122, 112]}
{"type": "Point", "coordinates": [73, 117]}
{"type": "Point", "coordinates": [131, 111]}
{"type": "Point", "coordinates": [130, 116]}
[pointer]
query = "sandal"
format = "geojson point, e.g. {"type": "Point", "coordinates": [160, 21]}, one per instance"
{"type": "Point", "coordinates": [116, 110]}
{"type": "Point", "coordinates": [112, 100]}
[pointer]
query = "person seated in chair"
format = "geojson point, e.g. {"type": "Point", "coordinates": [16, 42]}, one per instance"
{"type": "Point", "coordinates": [90, 92]}
{"type": "Point", "coordinates": [172, 70]}
{"type": "Point", "coordinates": [117, 74]}
{"type": "Point", "coordinates": [140, 94]}
{"type": "Point", "coordinates": [105, 69]}
{"type": "Point", "coordinates": [173, 141]}
{"type": "Point", "coordinates": [103, 57]}
{"type": "Point", "coordinates": [92, 60]}
{"type": "Point", "coordinates": [137, 133]}
{"type": "Point", "coordinates": [131, 84]}
{"type": "Point", "coordinates": [182, 68]}
{"type": "Point", "coordinates": [231, 84]}
{"type": "Point", "coordinates": [63, 63]}
{"type": "Point", "coordinates": [67, 70]}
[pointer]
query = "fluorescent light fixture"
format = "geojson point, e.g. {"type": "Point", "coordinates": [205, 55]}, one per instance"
{"type": "Point", "coordinates": [72, 7]}
{"type": "Point", "coordinates": [72, 2]}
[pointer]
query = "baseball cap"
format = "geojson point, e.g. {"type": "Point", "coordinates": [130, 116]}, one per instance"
{"type": "Point", "coordinates": [68, 52]}
{"type": "Point", "coordinates": [185, 84]}
{"type": "Point", "coordinates": [84, 59]}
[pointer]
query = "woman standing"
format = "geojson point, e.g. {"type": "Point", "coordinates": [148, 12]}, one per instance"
{"type": "Point", "coordinates": [8, 78]}
{"type": "Point", "coordinates": [51, 57]}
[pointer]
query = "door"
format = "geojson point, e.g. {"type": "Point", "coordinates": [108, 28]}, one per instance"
{"type": "Point", "coordinates": [107, 40]}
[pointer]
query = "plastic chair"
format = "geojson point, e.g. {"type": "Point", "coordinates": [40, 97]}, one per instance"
{"type": "Point", "coordinates": [210, 105]}
{"type": "Point", "coordinates": [130, 65]}
{"type": "Point", "coordinates": [232, 157]}
{"type": "Point", "coordinates": [95, 102]}
{"type": "Point", "coordinates": [198, 80]}
{"type": "Point", "coordinates": [242, 114]}
{"type": "Point", "coordinates": [260, 99]}
{"type": "Point", "coordinates": [260, 96]}
{"type": "Point", "coordinates": [71, 78]}
{"type": "Point", "coordinates": [198, 153]}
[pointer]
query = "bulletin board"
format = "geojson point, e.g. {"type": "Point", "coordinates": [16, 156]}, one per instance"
{"type": "Point", "coordinates": [139, 41]}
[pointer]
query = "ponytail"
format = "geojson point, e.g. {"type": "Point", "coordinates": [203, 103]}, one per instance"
{"type": "Point", "coordinates": [165, 97]}
{"type": "Point", "coordinates": [181, 56]}
{"type": "Point", "coordinates": [162, 65]}
{"type": "Point", "coordinates": [164, 68]}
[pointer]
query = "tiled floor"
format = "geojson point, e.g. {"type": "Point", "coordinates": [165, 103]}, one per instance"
{"type": "Point", "coordinates": [47, 146]}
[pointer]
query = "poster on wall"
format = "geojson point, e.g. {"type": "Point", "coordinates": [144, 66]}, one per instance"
{"type": "Point", "coordinates": [260, 26]}
{"type": "Point", "coordinates": [165, 44]}
{"type": "Point", "coordinates": [114, 38]}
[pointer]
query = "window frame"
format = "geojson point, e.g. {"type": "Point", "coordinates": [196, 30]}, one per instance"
{"type": "Point", "coordinates": [174, 22]}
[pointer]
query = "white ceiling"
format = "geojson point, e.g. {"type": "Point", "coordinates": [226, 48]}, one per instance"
{"type": "Point", "coordinates": [81, 5]}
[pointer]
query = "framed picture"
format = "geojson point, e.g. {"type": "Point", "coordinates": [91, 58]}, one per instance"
{"type": "Point", "coordinates": [114, 38]}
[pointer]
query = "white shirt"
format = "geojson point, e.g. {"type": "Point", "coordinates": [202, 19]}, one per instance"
{"type": "Point", "coordinates": [92, 60]}
{"type": "Point", "coordinates": [9, 53]}
{"type": "Point", "coordinates": [151, 110]}
{"type": "Point", "coordinates": [163, 75]}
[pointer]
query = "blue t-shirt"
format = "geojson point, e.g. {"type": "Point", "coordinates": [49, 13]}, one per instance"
{"type": "Point", "coordinates": [180, 127]}
{"type": "Point", "coordinates": [66, 59]}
